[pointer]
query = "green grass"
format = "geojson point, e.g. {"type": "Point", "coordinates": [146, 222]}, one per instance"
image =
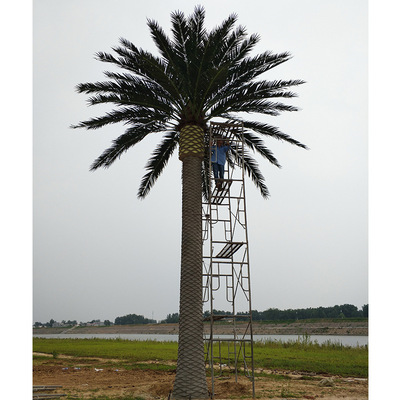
{"type": "Point", "coordinates": [300, 355]}
{"type": "Point", "coordinates": [132, 350]}
{"type": "Point", "coordinates": [303, 355]}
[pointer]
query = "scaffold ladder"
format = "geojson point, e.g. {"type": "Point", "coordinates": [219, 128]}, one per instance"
{"type": "Point", "coordinates": [226, 272]}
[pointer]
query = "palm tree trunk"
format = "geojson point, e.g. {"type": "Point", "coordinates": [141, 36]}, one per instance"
{"type": "Point", "coordinates": [190, 381]}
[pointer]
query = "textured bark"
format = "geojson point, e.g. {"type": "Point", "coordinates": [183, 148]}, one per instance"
{"type": "Point", "coordinates": [191, 142]}
{"type": "Point", "coordinates": [190, 381]}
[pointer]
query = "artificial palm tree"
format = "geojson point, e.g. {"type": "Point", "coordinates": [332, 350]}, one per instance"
{"type": "Point", "coordinates": [198, 76]}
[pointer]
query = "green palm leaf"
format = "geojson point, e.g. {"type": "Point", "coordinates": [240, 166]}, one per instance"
{"type": "Point", "coordinates": [158, 162]}
{"type": "Point", "coordinates": [123, 143]}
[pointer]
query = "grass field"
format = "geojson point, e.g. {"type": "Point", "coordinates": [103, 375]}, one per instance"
{"type": "Point", "coordinates": [299, 355]}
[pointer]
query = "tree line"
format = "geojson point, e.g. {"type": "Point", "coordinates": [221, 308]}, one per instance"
{"type": "Point", "coordinates": [275, 314]}
{"type": "Point", "coordinates": [271, 314]}
{"type": "Point", "coordinates": [338, 311]}
{"type": "Point", "coordinates": [53, 323]}
{"type": "Point", "coordinates": [132, 319]}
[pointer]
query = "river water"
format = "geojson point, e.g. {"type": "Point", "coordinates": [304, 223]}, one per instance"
{"type": "Point", "coordinates": [352, 341]}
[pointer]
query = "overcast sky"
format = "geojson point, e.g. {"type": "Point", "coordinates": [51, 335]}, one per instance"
{"type": "Point", "coordinates": [100, 253]}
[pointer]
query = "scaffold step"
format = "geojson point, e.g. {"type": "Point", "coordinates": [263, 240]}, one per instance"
{"type": "Point", "coordinates": [229, 249]}
{"type": "Point", "coordinates": [218, 194]}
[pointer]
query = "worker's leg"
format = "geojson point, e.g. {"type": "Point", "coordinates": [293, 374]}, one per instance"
{"type": "Point", "coordinates": [220, 171]}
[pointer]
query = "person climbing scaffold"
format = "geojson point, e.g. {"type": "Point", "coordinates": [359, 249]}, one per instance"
{"type": "Point", "coordinates": [218, 159]}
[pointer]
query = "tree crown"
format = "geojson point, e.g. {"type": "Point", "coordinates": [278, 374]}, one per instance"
{"type": "Point", "coordinates": [197, 76]}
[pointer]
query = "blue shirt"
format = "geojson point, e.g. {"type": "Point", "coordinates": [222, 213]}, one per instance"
{"type": "Point", "coordinates": [218, 154]}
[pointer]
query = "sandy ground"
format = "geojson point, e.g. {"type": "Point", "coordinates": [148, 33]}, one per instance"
{"type": "Point", "coordinates": [87, 378]}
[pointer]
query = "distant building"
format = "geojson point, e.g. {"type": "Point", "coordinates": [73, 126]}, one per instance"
{"type": "Point", "coordinates": [97, 322]}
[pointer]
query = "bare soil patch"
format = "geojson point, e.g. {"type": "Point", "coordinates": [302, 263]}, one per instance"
{"type": "Point", "coordinates": [85, 378]}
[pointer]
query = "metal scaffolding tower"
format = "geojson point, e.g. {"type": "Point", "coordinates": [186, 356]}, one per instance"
{"type": "Point", "coordinates": [226, 272]}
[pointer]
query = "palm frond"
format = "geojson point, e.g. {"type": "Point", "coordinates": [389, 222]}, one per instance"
{"type": "Point", "coordinates": [252, 169]}
{"type": "Point", "coordinates": [234, 104]}
{"type": "Point", "coordinates": [136, 95]}
{"type": "Point", "coordinates": [132, 136]}
{"type": "Point", "coordinates": [145, 65]}
{"type": "Point", "coordinates": [171, 57]}
{"type": "Point", "coordinates": [196, 24]}
{"type": "Point", "coordinates": [158, 162]}
{"type": "Point", "coordinates": [271, 131]}
{"type": "Point", "coordinates": [239, 85]}
{"type": "Point", "coordinates": [257, 144]}
{"type": "Point", "coordinates": [132, 115]}
{"type": "Point", "coordinates": [180, 32]}
{"type": "Point", "coordinates": [219, 45]}
{"type": "Point", "coordinates": [189, 41]}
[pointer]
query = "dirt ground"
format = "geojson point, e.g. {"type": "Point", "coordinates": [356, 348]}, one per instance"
{"type": "Point", "coordinates": [85, 379]}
